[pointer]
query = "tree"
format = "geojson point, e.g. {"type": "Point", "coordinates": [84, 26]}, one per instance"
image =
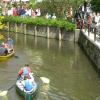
{"type": "Point", "coordinates": [58, 6]}
{"type": "Point", "coordinates": [32, 4]}
{"type": "Point", "coordinates": [1, 25]}
{"type": "Point", "coordinates": [95, 5]}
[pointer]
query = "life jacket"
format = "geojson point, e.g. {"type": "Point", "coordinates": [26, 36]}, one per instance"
{"type": "Point", "coordinates": [25, 71]}
{"type": "Point", "coordinates": [28, 85]}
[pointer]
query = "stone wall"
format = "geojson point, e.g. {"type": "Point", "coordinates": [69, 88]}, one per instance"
{"type": "Point", "coordinates": [90, 48]}
{"type": "Point", "coordinates": [43, 31]}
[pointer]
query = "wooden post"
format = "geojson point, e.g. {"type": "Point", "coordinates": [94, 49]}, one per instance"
{"type": "Point", "coordinates": [35, 30]}
{"type": "Point", "coordinates": [8, 28]}
{"type": "Point", "coordinates": [48, 34]}
{"type": "Point", "coordinates": [25, 29]}
{"type": "Point", "coordinates": [22, 28]}
{"type": "Point", "coordinates": [59, 34]}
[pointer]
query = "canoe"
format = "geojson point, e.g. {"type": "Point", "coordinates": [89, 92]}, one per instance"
{"type": "Point", "coordinates": [27, 95]}
{"type": "Point", "coordinates": [7, 56]}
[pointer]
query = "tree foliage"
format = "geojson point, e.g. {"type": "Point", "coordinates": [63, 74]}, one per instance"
{"type": "Point", "coordinates": [1, 19]}
{"type": "Point", "coordinates": [63, 24]}
{"type": "Point", "coordinates": [32, 4]}
{"type": "Point", "coordinates": [95, 4]}
{"type": "Point", "coordinates": [58, 6]}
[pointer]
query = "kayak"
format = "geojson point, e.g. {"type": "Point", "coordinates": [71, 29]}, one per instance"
{"type": "Point", "coordinates": [3, 57]}
{"type": "Point", "coordinates": [27, 95]}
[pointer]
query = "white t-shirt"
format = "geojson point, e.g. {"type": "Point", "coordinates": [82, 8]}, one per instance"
{"type": "Point", "coordinates": [54, 17]}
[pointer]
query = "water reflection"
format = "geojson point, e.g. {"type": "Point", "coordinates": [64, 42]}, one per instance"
{"type": "Point", "coordinates": [71, 75]}
{"type": "Point", "coordinates": [59, 45]}
{"type": "Point", "coordinates": [48, 43]}
{"type": "Point", "coordinates": [4, 98]}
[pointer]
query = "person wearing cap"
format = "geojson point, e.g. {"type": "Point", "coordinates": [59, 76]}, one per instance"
{"type": "Point", "coordinates": [24, 71]}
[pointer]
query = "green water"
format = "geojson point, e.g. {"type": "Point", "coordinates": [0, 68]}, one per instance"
{"type": "Point", "coordinates": [71, 74]}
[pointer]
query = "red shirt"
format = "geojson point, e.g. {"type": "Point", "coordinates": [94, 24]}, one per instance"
{"type": "Point", "coordinates": [21, 71]}
{"type": "Point", "coordinates": [89, 19]}
{"type": "Point", "coordinates": [29, 70]}
{"type": "Point", "coordinates": [14, 12]}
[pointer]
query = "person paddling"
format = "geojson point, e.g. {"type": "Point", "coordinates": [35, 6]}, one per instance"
{"type": "Point", "coordinates": [28, 86]}
{"type": "Point", "coordinates": [24, 71]}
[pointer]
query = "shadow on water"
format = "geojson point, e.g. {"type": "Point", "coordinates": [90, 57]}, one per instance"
{"type": "Point", "coordinates": [94, 66]}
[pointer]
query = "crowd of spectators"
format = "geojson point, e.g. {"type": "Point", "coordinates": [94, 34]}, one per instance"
{"type": "Point", "coordinates": [17, 10]}
{"type": "Point", "coordinates": [85, 18]}
{"type": "Point", "coordinates": [23, 10]}
{"type": "Point", "coordinates": [48, 16]}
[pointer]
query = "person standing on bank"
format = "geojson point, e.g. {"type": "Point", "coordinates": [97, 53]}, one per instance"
{"type": "Point", "coordinates": [89, 23]}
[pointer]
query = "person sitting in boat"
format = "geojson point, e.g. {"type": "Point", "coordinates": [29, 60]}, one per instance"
{"type": "Point", "coordinates": [3, 49]}
{"type": "Point", "coordinates": [20, 72]}
{"type": "Point", "coordinates": [24, 71]}
{"type": "Point", "coordinates": [7, 48]}
{"type": "Point", "coordinates": [9, 42]}
{"type": "Point", "coordinates": [28, 68]}
{"type": "Point", "coordinates": [28, 86]}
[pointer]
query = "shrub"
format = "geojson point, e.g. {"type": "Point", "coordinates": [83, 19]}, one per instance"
{"type": "Point", "coordinates": [61, 23]}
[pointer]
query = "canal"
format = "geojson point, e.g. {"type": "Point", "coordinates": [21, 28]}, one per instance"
{"type": "Point", "coordinates": [71, 74]}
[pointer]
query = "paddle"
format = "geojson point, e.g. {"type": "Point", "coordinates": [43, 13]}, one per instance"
{"type": "Point", "coordinates": [3, 93]}
{"type": "Point", "coordinates": [43, 79]}
{"type": "Point", "coordinates": [16, 56]}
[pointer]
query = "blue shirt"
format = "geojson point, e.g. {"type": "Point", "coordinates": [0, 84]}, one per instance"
{"type": "Point", "coordinates": [28, 85]}
{"type": "Point", "coordinates": [10, 43]}
{"type": "Point", "coordinates": [25, 71]}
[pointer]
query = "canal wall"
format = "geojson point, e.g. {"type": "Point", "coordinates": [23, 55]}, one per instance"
{"type": "Point", "coordinates": [43, 31]}
{"type": "Point", "coordinates": [91, 49]}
